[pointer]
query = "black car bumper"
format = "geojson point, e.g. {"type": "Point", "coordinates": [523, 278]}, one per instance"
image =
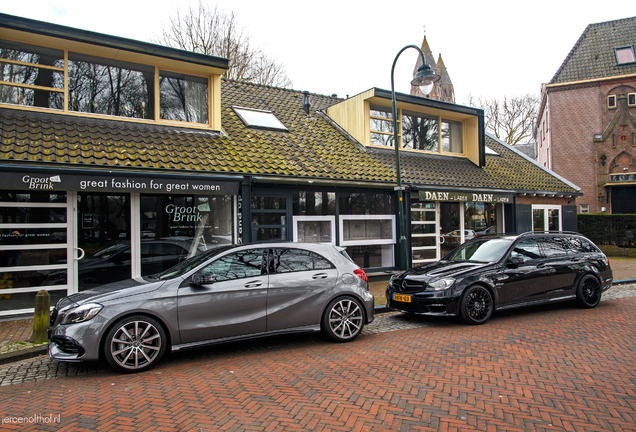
{"type": "Point", "coordinates": [437, 303]}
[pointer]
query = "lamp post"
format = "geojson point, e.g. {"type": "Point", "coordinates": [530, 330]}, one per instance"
{"type": "Point", "coordinates": [425, 78]}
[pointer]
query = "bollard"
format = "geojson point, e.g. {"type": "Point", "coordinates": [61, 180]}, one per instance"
{"type": "Point", "coordinates": [41, 317]}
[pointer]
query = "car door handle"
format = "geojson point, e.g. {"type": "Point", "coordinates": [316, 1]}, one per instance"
{"type": "Point", "coordinates": [253, 284]}
{"type": "Point", "coordinates": [320, 276]}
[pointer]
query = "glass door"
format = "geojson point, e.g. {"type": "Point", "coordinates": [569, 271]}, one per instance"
{"type": "Point", "coordinates": [103, 239]}
{"type": "Point", "coordinates": [425, 238]}
{"type": "Point", "coordinates": [34, 252]}
{"type": "Point", "coordinates": [269, 217]}
{"type": "Point", "coordinates": [546, 218]}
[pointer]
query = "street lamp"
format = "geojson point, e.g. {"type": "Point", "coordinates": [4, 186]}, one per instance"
{"type": "Point", "coordinates": [425, 78]}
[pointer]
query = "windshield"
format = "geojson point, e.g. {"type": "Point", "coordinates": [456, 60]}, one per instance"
{"type": "Point", "coordinates": [486, 250]}
{"type": "Point", "coordinates": [185, 266]}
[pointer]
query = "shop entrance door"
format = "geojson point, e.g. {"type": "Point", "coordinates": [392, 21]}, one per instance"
{"type": "Point", "coordinates": [270, 217]}
{"type": "Point", "coordinates": [425, 238]}
{"type": "Point", "coordinates": [546, 218]}
{"type": "Point", "coordinates": [103, 239]}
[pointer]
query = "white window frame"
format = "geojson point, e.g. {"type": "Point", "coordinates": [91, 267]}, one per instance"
{"type": "Point", "coordinates": [344, 242]}
{"type": "Point", "coordinates": [546, 219]}
{"type": "Point", "coordinates": [70, 246]}
{"type": "Point", "coordinates": [330, 219]}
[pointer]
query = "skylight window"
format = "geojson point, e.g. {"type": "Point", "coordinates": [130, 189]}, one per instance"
{"type": "Point", "coordinates": [259, 119]}
{"type": "Point", "coordinates": [625, 55]}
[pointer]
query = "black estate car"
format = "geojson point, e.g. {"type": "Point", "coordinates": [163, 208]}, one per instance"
{"type": "Point", "coordinates": [497, 272]}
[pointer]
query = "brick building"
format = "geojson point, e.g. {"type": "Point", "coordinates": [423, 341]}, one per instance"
{"type": "Point", "coordinates": [586, 129]}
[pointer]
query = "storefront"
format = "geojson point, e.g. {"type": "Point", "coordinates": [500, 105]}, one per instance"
{"type": "Point", "coordinates": [70, 232]}
{"type": "Point", "coordinates": [443, 219]}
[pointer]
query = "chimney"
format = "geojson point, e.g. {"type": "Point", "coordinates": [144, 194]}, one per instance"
{"type": "Point", "coordinates": [306, 102]}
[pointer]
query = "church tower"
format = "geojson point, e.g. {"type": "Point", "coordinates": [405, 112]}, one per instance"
{"type": "Point", "coordinates": [443, 89]}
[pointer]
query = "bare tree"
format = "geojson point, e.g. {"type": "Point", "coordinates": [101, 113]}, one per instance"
{"type": "Point", "coordinates": [209, 30]}
{"type": "Point", "coordinates": [509, 119]}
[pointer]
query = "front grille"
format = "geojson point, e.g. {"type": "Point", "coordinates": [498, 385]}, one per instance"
{"type": "Point", "coordinates": [407, 285]}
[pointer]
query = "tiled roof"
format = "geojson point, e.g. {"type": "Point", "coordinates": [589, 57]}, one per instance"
{"type": "Point", "coordinates": [513, 170]}
{"type": "Point", "coordinates": [313, 147]}
{"type": "Point", "coordinates": [593, 54]}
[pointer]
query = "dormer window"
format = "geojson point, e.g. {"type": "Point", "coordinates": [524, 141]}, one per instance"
{"type": "Point", "coordinates": [417, 131]}
{"type": "Point", "coordinates": [259, 119]}
{"type": "Point", "coordinates": [625, 55]}
{"type": "Point", "coordinates": [40, 77]}
{"type": "Point", "coordinates": [611, 101]}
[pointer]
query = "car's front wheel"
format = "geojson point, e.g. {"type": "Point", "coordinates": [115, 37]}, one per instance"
{"type": "Point", "coordinates": [135, 343]}
{"type": "Point", "coordinates": [343, 319]}
{"type": "Point", "coordinates": [477, 305]}
{"type": "Point", "coordinates": [588, 293]}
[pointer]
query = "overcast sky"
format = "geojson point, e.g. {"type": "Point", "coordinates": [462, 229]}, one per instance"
{"type": "Point", "coordinates": [490, 48]}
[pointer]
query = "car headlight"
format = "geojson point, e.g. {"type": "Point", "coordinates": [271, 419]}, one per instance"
{"type": "Point", "coordinates": [441, 284]}
{"type": "Point", "coordinates": [81, 313]}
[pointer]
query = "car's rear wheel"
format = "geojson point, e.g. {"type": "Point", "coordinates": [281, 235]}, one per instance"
{"type": "Point", "coordinates": [343, 319]}
{"type": "Point", "coordinates": [588, 293]}
{"type": "Point", "coordinates": [477, 305]}
{"type": "Point", "coordinates": [135, 343]}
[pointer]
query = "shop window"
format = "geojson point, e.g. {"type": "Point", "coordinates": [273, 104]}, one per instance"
{"type": "Point", "coordinates": [309, 203]}
{"type": "Point", "coordinates": [175, 227]}
{"type": "Point", "coordinates": [365, 203]}
{"type": "Point", "coordinates": [315, 229]}
{"type": "Point", "coordinates": [369, 239]}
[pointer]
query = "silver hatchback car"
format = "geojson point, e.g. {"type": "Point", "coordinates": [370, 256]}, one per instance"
{"type": "Point", "coordinates": [228, 293]}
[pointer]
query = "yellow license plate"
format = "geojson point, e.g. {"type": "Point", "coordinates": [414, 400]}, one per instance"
{"type": "Point", "coordinates": [402, 298]}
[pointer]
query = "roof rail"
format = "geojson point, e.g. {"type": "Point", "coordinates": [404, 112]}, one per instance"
{"type": "Point", "coordinates": [549, 232]}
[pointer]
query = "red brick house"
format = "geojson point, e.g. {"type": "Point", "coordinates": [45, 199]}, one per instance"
{"type": "Point", "coordinates": [586, 129]}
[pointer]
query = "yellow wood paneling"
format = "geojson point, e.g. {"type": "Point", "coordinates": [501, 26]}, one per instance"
{"type": "Point", "coordinates": [213, 74]}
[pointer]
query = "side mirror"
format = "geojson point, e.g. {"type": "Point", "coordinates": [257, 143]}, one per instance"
{"type": "Point", "coordinates": [201, 279]}
{"type": "Point", "coordinates": [514, 262]}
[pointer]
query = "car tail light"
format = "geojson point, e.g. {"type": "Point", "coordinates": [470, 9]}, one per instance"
{"type": "Point", "coordinates": [607, 261]}
{"type": "Point", "coordinates": [361, 274]}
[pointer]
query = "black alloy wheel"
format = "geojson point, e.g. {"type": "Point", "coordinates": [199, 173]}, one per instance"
{"type": "Point", "coordinates": [588, 293]}
{"type": "Point", "coordinates": [343, 319]}
{"type": "Point", "coordinates": [477, 305]}
{"type": "Point", "coordinates": [135, 343]}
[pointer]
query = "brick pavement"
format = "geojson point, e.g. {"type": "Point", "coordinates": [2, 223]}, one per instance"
{"type": "Point", "coordinates": [539, 369]}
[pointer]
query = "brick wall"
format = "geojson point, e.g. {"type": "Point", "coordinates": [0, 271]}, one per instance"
{"type": "Point", "coordinates": [575, 117]}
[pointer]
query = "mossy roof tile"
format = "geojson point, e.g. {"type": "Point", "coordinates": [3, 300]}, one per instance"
{"type": "Point", "coordinates": [312, 147]}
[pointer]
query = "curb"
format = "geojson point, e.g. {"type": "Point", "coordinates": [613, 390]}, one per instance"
{"type": "Point", "coordinates": [23, 354]}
